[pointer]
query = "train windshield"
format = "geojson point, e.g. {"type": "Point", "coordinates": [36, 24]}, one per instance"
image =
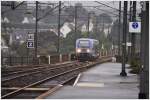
{"type": "Point", "coordinates": [84, 44]}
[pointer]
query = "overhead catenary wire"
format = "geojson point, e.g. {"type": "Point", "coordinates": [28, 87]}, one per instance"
{"type": "Point", "coordinates": [97, 7]}
{"type": "Point", "coordinates": [110, 7]}
{"type": "Point", "coordinates": [50, 11]}
{"type": "Point", "coordinates": [107, 5]}
{"type": "Point", "coordinates": [8, 10]}
{"type": "Point", "coordinates": [107, 11]}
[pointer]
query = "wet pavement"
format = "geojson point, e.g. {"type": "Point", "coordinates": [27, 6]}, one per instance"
{"type": "Point", "coordinates": [101, 82]}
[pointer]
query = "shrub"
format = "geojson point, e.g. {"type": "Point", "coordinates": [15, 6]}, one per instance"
{"type": "Point", "coordinates": [135, 66]}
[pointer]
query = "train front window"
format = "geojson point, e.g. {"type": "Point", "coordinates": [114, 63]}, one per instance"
{"type": "Point", "coordinates": [84, 44]}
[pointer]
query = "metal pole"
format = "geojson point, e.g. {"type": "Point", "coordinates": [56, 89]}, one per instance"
{"type": "Point", "coordinates": [96, 31]}
{"type": "Point", "coordinates": [123, 72]}
{"type": "Point", "coordinates": [58, 47]}
{"type": "Point", "coordinates": [119, 26]}
{"type": "Point", "coordinates": [103, 24]}
{"type": "Point", "coordinates": [75, 26]}
{"type": "Point", "coordinates": [144, 74]}
{"type": "Point", "coordinates": [88, 24]}
{"type": "Point", "coordinates": [129, 34]}
{"type": "Point", "coordinates": [36, 29]}
{"type": "Point", "coordinates": [96, 25]}
{"type": "Point", "coordinates": [133, 36]}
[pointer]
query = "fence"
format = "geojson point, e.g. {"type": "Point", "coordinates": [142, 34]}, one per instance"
{"type": "Point", "coordinates": [51, 59]}
{"type": "Point", "coordinates": [42, 59]}
{"type": "Point", "coordinates": [18, 60]}
{"type": "Point", "coordinates": [47, 59]}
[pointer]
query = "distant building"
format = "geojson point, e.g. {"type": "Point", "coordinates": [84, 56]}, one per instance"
{"type": "Point", "coordinates": [25, 20]}
{"type": "Point", "coordinates": [65, 29]}
{"type": "Point", "coordinates": [83, 29]}
{"type": "Point", "coordinates": [4, 47]}
{"type": "Point", "coordinates": [6, 20]}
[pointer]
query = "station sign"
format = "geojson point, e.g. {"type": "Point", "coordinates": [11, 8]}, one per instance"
{"type": "Point", "coordinates": [134, 27]}
{"type": "Point", "coordinates": [30, 44]}
{"type": "Point", "coordinates": [30, 36]}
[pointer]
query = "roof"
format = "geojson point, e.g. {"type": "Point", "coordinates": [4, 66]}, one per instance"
{"type": "Point", "coordinates": [87, 39]}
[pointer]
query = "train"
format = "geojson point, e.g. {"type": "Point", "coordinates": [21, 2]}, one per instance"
{"type": "Point", "coordinates": [87, 49]}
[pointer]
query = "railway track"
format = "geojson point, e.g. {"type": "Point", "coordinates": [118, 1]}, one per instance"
{"type": "Point", "coordinates": [59, 77]}
{"type": "Point", "coordinates": [39, 84]}
{"type": "Point", "coordinates": [30, 77]}
{"type": "Point", "coordinates": [24, 73]}
{"type": "Point", "coordinates": [23, 69]}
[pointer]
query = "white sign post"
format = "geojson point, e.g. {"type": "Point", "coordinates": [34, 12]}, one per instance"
{"type": "Point", "coordinates": [135, 27]}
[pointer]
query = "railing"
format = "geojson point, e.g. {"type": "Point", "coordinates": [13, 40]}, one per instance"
{"type": "Point", "coordinates": [41, 59]}
{"type": "Point", "coordinates": [18, 60]}
{"type": "Point", "coordinates": [47, 59]}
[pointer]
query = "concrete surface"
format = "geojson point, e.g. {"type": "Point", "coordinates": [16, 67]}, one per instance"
{"type": "Point", "coordinates": [101, 82]}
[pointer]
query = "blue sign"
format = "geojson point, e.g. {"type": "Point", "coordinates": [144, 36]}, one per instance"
{"type": "Point", "coordinates": [135, 25]}
{"type": "Point", "coordinates": [30, 44]}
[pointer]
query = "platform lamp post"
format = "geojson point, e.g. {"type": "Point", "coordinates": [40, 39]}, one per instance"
{"type": "Point", "coordinates": [119, 26]}
{"type": "Point", "coordinates": [123, 72]}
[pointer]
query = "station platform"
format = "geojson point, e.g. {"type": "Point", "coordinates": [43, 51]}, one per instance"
{"type": "Point", "coordinates": [101, 82]}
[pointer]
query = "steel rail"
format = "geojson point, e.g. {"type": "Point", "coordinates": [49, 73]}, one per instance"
{"type": "Point", "coordinates": [46, 66]}
{"type": "Point", "coordinates": [26, 74]}
{"type": "Point", "coordinates": [31, 65]}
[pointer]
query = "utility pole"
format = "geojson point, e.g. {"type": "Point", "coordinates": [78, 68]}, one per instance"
{"type": "Point", "coordinates": [75, 25]}
{"type": "Point", "coordinates": [144, 74]}
{"type": "Point", "coordinates": [88, 25]}
{"type": "Point", "coordinates": [97, 29]}
{"type": "Point", "coordinates": [4, 24]}
{"type": "Point", "coordinates": [119, 27]}
{"type": "Point", "coordinates": [12, 5]}
{"type": "Point", "coordinates": [36, 29]}
{"type": "Point", "coordinates": [129, 34]}
{"type": "Point", "coordinates": [103, 24]}
{"type": "Point", "coordinates": [58, 46]}
{"type": "Point", "coordinates": [123, 72]}
{"type": "Point", "coordinates": [133, 35]}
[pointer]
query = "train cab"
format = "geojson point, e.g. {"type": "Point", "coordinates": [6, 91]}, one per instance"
{"type": "Point", "coordinates": [87, 49]}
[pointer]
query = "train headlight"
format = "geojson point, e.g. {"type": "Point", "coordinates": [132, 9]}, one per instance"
{"type": "Point", "coordinates": [88, 50]}
{"type": "Point", "coordinates": [78, 50]}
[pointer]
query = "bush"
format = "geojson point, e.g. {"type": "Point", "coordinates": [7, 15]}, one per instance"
{"type": "Point", "coordinates": [135, 70]}
{"type": "Point", "coordinates": [135, 66]}
{"type": "Point", "coordinates": [43, 60]}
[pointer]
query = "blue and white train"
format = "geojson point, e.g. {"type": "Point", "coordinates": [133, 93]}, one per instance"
{"type": "Point", "coordinates": [87, 49]}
